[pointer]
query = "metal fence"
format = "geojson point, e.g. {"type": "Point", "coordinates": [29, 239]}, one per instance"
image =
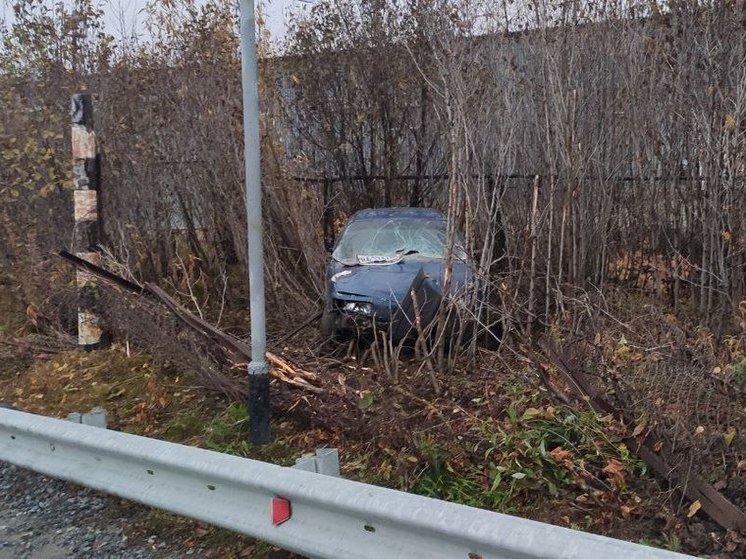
{"type": "Point", "coordinates": [311, 514]}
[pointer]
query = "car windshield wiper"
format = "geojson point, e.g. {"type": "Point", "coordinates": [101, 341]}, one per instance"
{"type": "Point", "coordinates": [347, 262]}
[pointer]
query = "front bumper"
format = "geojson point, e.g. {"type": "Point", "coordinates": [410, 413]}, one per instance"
{"type": "Point", "coordinates": [359, 324]}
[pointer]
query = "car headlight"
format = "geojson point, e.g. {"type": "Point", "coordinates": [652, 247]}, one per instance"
{"type": "Point", "coordinates": [358, 308]}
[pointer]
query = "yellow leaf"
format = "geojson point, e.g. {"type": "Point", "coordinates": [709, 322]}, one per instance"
{"type": "Point", "coordinates": [693, 508]}
{"type": "Point", "coordinates": [730, 435]}
{"type": "Point", "coordinates": [530, 413]}
{"type": "Point", "coordinates": [699, 430]}
{"type": "Point", "coordinates": [642, 423]}
{"type": "Point", "coordinates": [730, 122]}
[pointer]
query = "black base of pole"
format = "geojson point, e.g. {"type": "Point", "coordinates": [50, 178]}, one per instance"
{"type": "Point", "coordinates": [103, 343]}
{"type": "Point", "coordinates": [259, 409]}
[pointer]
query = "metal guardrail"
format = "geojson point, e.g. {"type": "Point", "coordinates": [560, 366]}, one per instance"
{"type": "Point", "coordinates": [310, 514]}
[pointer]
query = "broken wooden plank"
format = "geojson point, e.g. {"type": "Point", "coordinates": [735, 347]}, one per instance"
{"type": "Point", "coordinates": [102, 273]}
{"type": "Point", "coordinates": [714, 503]}
{"type": "Point", "coordinates": [238, 351]}
{"type": "Point", "coordinates": [228, 342]}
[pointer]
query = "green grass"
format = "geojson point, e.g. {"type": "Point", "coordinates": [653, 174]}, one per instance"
{"type": "Point", "coordinates": [514, 462]}
{"type": "Point", "coordinates": [228, 432]}
{"type": "Point", "coordinates": [671, 542]}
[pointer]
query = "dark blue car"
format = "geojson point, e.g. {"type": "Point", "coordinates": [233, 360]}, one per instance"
{"type": "Point", "coordinates": [381, 258]}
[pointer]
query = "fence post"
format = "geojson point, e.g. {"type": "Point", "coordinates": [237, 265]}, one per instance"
{"type": "Point", "coordinates": [86, 176]}
{"type": "Point", "coordinates": [328, 214]}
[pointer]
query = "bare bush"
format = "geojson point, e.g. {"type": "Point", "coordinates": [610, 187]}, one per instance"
{"type": "Point", "coordinates": [574, 145]}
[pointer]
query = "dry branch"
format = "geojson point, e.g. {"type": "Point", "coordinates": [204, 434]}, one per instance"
{"type": "Point", "coordinates": [717, 506]}
{"type": "Point", "coordinates": [238, 351]}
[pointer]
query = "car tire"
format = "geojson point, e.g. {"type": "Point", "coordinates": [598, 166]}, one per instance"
{"type": "Point", "coordinates": [491, 336]}
{"type": "Point", "coordinates": [327, 325]}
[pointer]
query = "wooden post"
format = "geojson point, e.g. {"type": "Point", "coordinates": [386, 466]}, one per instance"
{"type": "Point", "coordinates": [86, 232]}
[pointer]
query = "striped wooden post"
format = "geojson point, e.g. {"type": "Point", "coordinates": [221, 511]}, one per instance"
{"type": "Point", "coordinates": [86, 232]}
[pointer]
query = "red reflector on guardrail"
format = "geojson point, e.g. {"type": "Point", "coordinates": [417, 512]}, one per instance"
{"type": "Point", "coordinates": [280, 511]}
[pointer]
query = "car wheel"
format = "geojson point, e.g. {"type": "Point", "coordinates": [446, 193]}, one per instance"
{"type": "Point", "coordinates": [327, 326]}
{"type": "Point", "coordinates": [491, 336]}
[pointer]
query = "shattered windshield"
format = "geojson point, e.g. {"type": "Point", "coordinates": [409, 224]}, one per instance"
{"type": "Point", "coordinates": [387, 240]}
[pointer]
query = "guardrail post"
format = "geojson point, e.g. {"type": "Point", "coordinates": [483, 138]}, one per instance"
{"type": "Point", "coordinates": [325, 461]}
{"type": "Point", "coordinates": [86, 176]}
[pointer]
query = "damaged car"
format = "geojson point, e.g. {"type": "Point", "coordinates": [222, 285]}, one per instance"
{"type": "Point", "coordinates": [386, 269]}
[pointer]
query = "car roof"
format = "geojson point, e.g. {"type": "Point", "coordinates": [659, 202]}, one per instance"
{"type": "Point", "coordinates": [410, 213]}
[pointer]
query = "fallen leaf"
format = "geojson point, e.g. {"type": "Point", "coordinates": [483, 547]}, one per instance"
{"type": "Point", "coordinates": [626, 511]}
{"type": "Point", "coordinates": [365, 402]}
{"type": "Point", "coordinates": [559, 454]}
{"type": "Point", "coordinates": [530, 413]}
{"type": "Point", "coordinates": [730, 435]}
{"type": "Point", "coordinates": [641, 425]}
{"type": "Point", "coordinates": [615, 470]}
{"type": "Point", "coordinates": [693, 508]}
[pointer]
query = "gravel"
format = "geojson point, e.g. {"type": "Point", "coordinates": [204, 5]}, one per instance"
{"type": "Point", "coordinates": [43, 518]}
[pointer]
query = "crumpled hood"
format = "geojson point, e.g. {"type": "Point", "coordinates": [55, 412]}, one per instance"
{"type": "Point", "coordinates": [384, 285]}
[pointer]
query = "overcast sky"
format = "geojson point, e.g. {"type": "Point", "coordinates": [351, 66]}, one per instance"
{"type": "Point", "coordinates": [276, 12]}
{"type": "Point", "coordinates": [123, 15]}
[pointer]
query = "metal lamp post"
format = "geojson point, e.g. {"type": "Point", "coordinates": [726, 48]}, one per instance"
{"type": "Point", "coordinates": [259, 405]}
